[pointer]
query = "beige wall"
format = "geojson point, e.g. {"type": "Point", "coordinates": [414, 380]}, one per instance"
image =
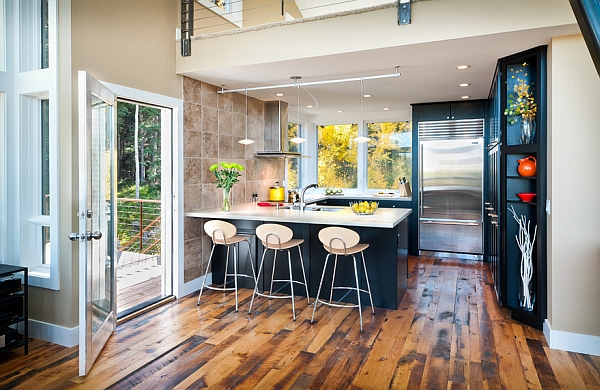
{"type": "Point", "coordinates": [213, 124]}
{"type": "Point", "coordinates": [573, 188]}
{"type": "Point", "coordinates": [131, 43]}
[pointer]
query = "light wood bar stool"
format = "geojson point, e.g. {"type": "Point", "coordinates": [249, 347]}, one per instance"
{"type": "Point", "coordinates": [279, 238]}
{"type": "Point", "coordinates": [345, 242]}
{"type": "Point", "coordinates": [225, 233]}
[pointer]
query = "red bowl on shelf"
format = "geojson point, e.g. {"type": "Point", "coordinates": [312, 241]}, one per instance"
{"type": "Point", "coordinates": [526, 196]}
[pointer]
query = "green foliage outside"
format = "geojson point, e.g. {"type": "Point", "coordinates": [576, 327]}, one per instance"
{"type": "Point", "coordinates": [139, 179]}
{"type": "Point", "coordinates": [390, 154]}
{"type": "Point", "coordinates": [292, 163]}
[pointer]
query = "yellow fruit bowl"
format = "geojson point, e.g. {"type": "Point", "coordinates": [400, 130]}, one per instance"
{"type": "Point", "coordinates": [364, 208]}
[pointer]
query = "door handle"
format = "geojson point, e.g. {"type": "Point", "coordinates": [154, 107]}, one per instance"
{"type": "Point", "coordinates": [93, 235]}
{"type": "Point", "coordinates": [88, 236]}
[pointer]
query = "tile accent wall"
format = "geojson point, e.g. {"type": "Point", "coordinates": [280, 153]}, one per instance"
{"type": "Point", "coordinates": [213, 124]}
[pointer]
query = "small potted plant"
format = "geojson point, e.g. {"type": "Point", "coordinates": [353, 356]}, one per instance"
{"type": "Point", "coordinates": [227, 175]}
{"type": "Point", "coordinates": [521, 103]}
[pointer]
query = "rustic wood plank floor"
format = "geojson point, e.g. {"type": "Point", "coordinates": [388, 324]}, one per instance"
{"type": "Point", "coordinates": [448, 333]}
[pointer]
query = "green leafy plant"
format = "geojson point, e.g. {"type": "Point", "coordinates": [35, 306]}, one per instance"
{"type": "Point", "coordinates": [228, 175]}
{"type": "Point", "coordinates": [521, 102]}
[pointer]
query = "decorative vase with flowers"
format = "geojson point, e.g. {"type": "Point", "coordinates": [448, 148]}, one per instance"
{"type": "Point", "coordinates": [226, 176]}
{"type": "Point", "coordinates": [522, 105]}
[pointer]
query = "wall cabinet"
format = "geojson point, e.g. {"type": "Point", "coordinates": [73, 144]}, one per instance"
{"type": "Point", "coordinates": [448, 111]}
{"type": "Point", "coordinates": [527, 69]}
{"type": "Point", "coordinates": [13, 308]}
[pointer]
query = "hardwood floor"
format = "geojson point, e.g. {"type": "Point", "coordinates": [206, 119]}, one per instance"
{"type": "Point", "coordinates": [448, 333]}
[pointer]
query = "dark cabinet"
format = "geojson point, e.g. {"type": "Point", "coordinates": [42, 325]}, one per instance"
{"type": "Point", "coordinates": [448, 111]}
{"type": "Point", "coordinates": [525, 74]}
{"type": "Point", "coordinates": [13, 308]}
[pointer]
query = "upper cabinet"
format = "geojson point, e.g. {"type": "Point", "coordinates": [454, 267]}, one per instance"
{"type": "Point", "coordinates": [449, 111]}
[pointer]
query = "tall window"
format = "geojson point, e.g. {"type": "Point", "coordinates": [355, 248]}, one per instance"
{"type": "Point", "coordinates": [337, 156]}
{"type": "Point", "coordinates": [294, 131]}
{"type": "Point", "coordinates": [390, 154]}
{"type": "Point", "coordinates": [34, 35]}
{"type": "Point", "coordinates": [45, 176]}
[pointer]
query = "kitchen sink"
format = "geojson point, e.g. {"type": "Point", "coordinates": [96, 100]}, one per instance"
{"type": "Point", "coordinates": [314, 208]}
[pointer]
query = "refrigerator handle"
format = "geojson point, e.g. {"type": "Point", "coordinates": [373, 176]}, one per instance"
{"type": "Point", "coordinates": [420, 173]}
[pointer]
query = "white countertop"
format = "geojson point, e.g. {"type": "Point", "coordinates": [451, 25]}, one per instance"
{"type": "Point", "coordinates": [376, 197]}
{"type": "Point", "coordinates": [343, 216]}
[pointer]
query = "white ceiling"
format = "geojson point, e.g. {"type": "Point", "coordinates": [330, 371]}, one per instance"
{"type": "Point", "coordinates": [427, 70]}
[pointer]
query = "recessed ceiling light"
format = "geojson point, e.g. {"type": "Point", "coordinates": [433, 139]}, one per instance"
{"type": "Point", "coordinates": [339, 111]}
{"type": "Point", "coordinates": [465, 97]}
{"type": "Point", "coordinates": [461, 67]}
{"type": "Point", "coordinates": [386, 108]}
{"type": "Point", "coordinates": [464, 85]}
{"type": "Point", "coordinates": [367, 95]}
{"type": "Point", "coordinates": [309, 106]}
{"type": "Point", "coordinates": [279, 94]}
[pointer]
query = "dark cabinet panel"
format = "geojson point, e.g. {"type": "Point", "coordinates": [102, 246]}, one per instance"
{"type": "Point", "coordinates": [520, 72]}
{"type": "Point", "coordinates": [449, 110]}
{"type": "Point", "coordinates": [13, 308]}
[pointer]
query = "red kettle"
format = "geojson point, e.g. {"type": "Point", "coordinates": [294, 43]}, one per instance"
{"type": "Point", "coordinates": [527, 166]}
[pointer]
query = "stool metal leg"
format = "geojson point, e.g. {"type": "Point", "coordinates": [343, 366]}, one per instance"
{"type": "Point", "coordinates": [368, 284]}
{"type": "Point", "coordinates": [357, 292]}
{"type": "Point", "coordinates": [235, 264]}
{"type": "Point", "coordinates": [260, 267]}
{"type": "Point", "coordinates": [291, 284]}
{"type": "Point", "coordinates": [333, 279]}
{"type": "Point", "coordinates": [205, 273]}
{"type": "Point", "coordinates": [304, 275]}
{"type": "Point", "coordinates": [312, 319]}
{"type": "Point", "coordinates": [273, 270]}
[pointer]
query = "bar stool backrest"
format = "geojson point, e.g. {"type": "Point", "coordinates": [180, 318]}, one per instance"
{"type": "Point", "coordinates": [220, 231]}
{"type": "Point", "coordinates": [273, 234]}
{"type": "Point", "coordinates": [338, 237]}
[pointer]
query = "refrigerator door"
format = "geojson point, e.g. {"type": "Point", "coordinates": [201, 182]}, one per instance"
{"type": "Point", "coordinates": [451, 195]}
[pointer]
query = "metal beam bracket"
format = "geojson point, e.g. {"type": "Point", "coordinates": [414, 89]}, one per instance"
{"type": "Point", "coordinates": [187, 27]}
{"type": "Point", "coordinates": [403, 12]}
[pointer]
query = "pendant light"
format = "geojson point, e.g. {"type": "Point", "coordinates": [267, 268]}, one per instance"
{"type": "Point", "coordinates": [246, 141]}
{"type": "Point", "coordinates": [361, 137]}
{"type": "Point", "coordinates": [297, 139]}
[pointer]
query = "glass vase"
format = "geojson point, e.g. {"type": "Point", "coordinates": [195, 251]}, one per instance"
{"type": "Point", "coordinates": [527, 130]}
{"type": "Point", "coordinates": [226, 199]}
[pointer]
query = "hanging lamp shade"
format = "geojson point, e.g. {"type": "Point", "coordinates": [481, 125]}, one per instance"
{"type": "Point", "coordinates": [246, 141]}
{"type": "Point", "coordinates": [361, 136]}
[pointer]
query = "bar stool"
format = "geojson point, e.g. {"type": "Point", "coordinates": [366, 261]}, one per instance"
{"type": "Point", "coordinates": [224, 233]}
{"type": "Point", "coordinates": [279, 238]}
{"type": "Point", "coordinates": [341, 241]}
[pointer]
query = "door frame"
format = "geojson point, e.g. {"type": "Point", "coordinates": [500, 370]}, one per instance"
{"type": "Point", "coordinates": [176, 174]}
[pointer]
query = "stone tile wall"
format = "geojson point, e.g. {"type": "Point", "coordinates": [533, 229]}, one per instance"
{"type": "Point", "coordinates": [213, 124]}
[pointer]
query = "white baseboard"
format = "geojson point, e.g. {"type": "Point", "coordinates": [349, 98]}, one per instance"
{"type": "Point", "coordinates": [195, 284]}
{"type": "Point", "coordinates": [67, 337]}
{"type": "Point", "coordinates": [574, 342]}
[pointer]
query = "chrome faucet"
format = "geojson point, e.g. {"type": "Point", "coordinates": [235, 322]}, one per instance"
{"type": "Point", "coordinates": [302, 203]}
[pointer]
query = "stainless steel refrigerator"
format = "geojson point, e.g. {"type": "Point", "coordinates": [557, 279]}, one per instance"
{"type": "Point", "coordinates": [451, 186]}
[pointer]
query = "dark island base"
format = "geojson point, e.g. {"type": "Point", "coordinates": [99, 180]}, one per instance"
{"type": "Point", "coordinates": [386, 260]}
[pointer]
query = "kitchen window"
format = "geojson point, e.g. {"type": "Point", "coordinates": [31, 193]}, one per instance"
{"type": "Point", "coordinates": [292, 174]}
{"type": "Point", "coordinates": [337, 156]}
{"type": "Point", "coordinates": [364, 167]}
{"type": "Point", "coordinates": [389, 154]}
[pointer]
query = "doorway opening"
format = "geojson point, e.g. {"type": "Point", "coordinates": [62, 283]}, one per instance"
{"type": "Point", "coordinates": [144, 261]}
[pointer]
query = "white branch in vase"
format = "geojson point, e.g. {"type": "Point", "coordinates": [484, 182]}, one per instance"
{"type": "Point", "coordinates": [525, 243]}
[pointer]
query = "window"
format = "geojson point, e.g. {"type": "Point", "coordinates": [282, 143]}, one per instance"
{"type": "Point", "coordinates": [337, 156]}
{"type": "Point", "coordinates": [389, 154]}
{"type": "Point", "coordinates": [34, 27]}
{"type": "Point", "coordinates": [2, 37]}
{"type": "Point", "coordinates": [374, 165]}
{"type": "Point", "coordinates": [292, 174]}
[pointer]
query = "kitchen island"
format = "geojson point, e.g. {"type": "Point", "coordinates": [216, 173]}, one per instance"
{"type": "Point", "coordinates": [386, 232]}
